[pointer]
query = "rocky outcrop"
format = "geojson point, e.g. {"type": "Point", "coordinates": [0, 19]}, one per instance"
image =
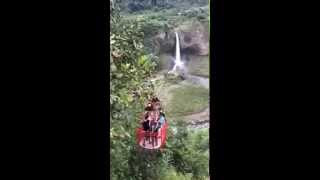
{"type": "Point", "coordinates": [194, 39]}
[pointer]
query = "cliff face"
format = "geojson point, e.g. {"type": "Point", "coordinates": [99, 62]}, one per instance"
{"type": "Point", "coordinates": [194, 39]}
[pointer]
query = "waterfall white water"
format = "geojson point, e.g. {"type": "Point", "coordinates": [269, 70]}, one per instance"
{"type": "Point", "coordinates": [177, 62]}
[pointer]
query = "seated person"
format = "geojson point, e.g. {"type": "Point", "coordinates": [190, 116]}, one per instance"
{"type": "Point", "coordinates": [161, 121]}
{"type": "Point", "coordinates": [162, 114]}
{"type": "Point", "coordinates": [145, 123]}
{"type": "Point", "coordinates": [153, 125]}
{"type": "Point", "coordinates": [155, 100]}
{"type": "Point", "coordinates": [146, 126]}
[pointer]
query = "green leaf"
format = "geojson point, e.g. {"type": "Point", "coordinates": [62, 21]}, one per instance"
{"type": "Point", "coordinates": [130, 98]}
{"type": "Point", "coordinates": [134, 44]}
{"type": "Point", "coordinates": [113, 68]}
{"type": "Point", "coordinates": [142, 60]}
{"type": "Point", "coordinates": [119, 75]}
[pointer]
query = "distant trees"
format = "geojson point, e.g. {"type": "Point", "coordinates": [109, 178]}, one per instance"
{"type": "Point", "coordinates": [153, 2]}
{"type": "Point", "coordinates": [137, 5]}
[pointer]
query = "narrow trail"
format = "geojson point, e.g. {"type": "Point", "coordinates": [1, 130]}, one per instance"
{"type": "Point", "coordinates": [199, 120]}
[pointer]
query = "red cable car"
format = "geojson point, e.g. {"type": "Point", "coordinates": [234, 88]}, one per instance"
{"type": "Point", "coordinates": [152, 140]}
{"type": "Point", "coordinates": [147, 137]}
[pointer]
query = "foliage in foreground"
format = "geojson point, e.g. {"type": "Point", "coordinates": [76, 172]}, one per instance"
{"type": "Point", "coordinates": [130, 69]}
{"type": "Point", "coordinates": [189, 151]}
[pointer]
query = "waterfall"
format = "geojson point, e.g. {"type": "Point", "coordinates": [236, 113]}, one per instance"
{"type": "Point", "coordinates": [177, 62]}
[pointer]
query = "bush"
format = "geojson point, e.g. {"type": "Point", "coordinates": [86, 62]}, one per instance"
{"type": "Point", "coordinates": [173, 175]}
{"type": "Point", "coordinates": [129, 90]}
{"type": "Point", "coordinates": [186, 156]}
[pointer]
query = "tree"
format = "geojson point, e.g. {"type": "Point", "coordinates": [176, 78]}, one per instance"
{"type": "Point", "coordinates": [153, 2]}
{"type": "Point", "coordinates": [129, 69]}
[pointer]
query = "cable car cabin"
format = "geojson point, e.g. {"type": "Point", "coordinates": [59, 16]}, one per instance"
{"type": "Point", "coordinates": [152, 140]}
{"type": "Point", "coordinates": [153, 131]}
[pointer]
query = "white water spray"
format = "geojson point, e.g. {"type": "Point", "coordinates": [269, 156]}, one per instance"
{"type": "Point", "coordinates": [177, 62]}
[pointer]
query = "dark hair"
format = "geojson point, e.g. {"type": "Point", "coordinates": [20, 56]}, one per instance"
{"type": "Point", "coordinates": [155, 99]}
{"type": "Point", "coordinates": [161, 113]}
{"type": "Point", "coordinates": [148, 108]}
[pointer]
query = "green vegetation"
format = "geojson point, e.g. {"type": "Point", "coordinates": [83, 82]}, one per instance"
{"type": "Point", "coordinates": [153, 22]}
{"type": "Point", "coordinates": [131, 67]}
{"type": "Point", "coordinates": [173, 175]}
{"type": "Point", "coordinates": [187, 99]}
{"type": "Point", "coordinates": [189, 154]}
{"type": "Point", "coordinates": [199, 66]}
{"type": "Point", "coordinates": [171, 17]}
{"type": "Point", "coordinates": [164, 62]}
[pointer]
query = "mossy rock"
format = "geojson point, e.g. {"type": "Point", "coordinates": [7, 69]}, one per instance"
{"type": "Point", "coordinates": [173, 78]}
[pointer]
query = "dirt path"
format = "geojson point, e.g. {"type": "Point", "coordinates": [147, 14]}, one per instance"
{"type": "Point", "coordinates": [199, 120]}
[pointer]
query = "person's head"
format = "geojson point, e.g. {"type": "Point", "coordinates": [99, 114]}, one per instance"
{"type": "Point", "coordinates": [157, 106]}
{"type": "Point", "coordinates": [155, 99]}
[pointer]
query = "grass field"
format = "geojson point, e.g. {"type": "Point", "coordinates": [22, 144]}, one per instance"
{"type": "Point", "coordinates": [187, 99]}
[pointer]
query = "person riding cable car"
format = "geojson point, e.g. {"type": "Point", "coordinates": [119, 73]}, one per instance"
{"type": "Point", "coordinates": [145, 122]}
{"type": "Point", "coordinates": [162, 119]}
{"type": "Point", "coordinates": [153, 126]}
